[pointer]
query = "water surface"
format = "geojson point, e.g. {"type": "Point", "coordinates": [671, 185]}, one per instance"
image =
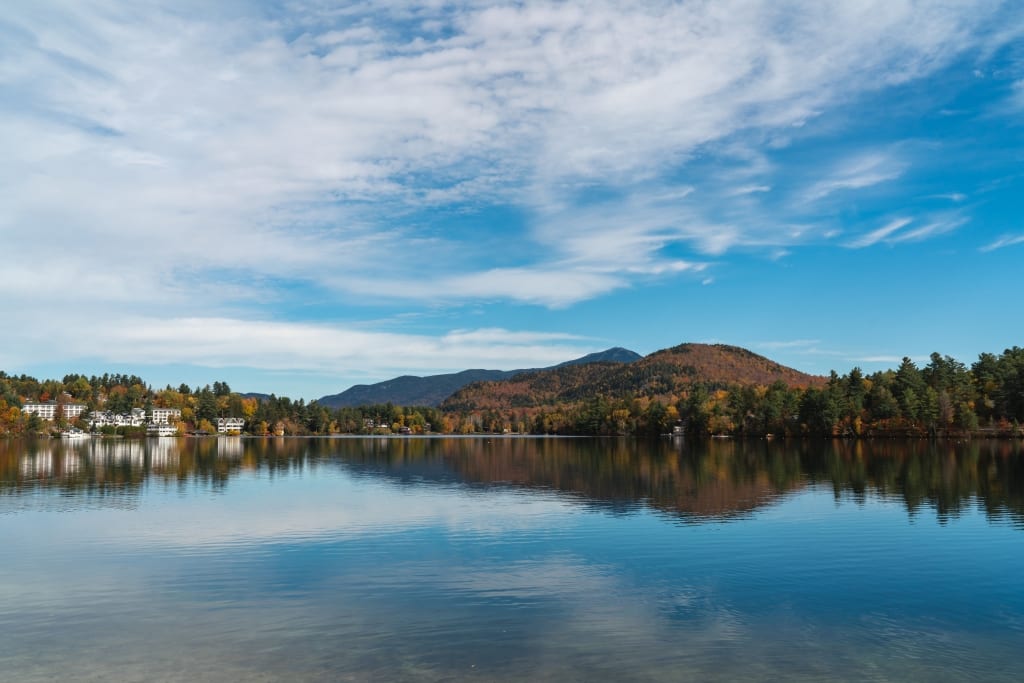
{"type": "Point", "coordinates": [510, 559]}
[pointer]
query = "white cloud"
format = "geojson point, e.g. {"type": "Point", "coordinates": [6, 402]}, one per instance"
{"type": "Point", "coordinates": [269, 345]}
{"type": "Point", "coordinates": [751, 189]}
{"type": "Point", "coordinates": [931, 229]}
{"type": "Point", "coordinates": [790, 344]}
{"type": "Point", "coordinates": [862, 171]}
{"type": "Point", "coordinates": [500, 336]}
{"type": "Point", "coordinates": [547, 285]}
{"type": "Point", "coordinates": [1005, 241]}
{"type": "Point", "coordinates": [893, 233]}
{"type": "Point", "coordinates": [876, 236]}
{"type": "Point", "coordinates": [193, 159]}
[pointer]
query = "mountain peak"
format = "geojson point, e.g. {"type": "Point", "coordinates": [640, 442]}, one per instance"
{"type": "Point", "coordinates": [662, 374]}
{"type": "Point", "coordinates": [432, 390]}
{"type": "Point", "coordinates": [616, 354]}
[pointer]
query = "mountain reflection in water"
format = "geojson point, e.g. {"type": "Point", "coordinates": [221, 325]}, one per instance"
{"type": "Point", "coordinates": [689, 481]}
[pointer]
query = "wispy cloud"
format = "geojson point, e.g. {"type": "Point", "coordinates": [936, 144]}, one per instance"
{"type": "Point", "coordinates": [930, 229]}
{"type": "Point", "coordinates": [233, 118]}
{"type": "Point", "coordinates": [951, 196]}
{"type": "Point", "coordinates": [862, 171]}
{"type": "Point", "coordinates": [893, 232]}
{"type": "Point", "coordinates": [751, 189]}
{"type": "Point", "coordinates": [301, 346]}
{"type": "Point", "coordinates": [791, 344]}
{"type": "Point", "coordinates": [876, 236]}
{"type": "Point", "coordinates": [1002, 242]}
{"type": "Point", "coordinates": [229, 160]}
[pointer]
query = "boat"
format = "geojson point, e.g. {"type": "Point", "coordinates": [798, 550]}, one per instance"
{"type": "Point", "coordinates": [74, 433]}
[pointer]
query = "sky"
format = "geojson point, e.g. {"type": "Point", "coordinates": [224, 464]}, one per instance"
{"type": "Point", "coordinates": [296, 196]}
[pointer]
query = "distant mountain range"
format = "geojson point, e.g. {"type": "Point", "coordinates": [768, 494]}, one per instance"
{"type": "Point", "coordinates": [663, 373]}
{"type": "Point", "coordinates": [432, 390]}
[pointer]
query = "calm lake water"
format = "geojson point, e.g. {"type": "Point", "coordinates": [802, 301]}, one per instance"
{"type": "Point", "coordinates": [510, 559]}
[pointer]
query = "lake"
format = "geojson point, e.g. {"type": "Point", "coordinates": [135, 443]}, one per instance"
{"type": "Point", "coordinates": [510, 559]}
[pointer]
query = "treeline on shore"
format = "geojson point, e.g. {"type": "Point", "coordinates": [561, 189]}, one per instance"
{"type": "Point", "coordinates": [200, 407]}
{"type": "Point", "coordinates": [945, 397]}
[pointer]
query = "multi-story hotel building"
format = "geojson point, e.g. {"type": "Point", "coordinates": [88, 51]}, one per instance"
{"type": "Point", "coordinates": [48, 410]}
{"type": "Point", "coordinates": [162, 416]}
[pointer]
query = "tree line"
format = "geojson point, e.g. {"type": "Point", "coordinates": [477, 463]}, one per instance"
{"type": "Point", "coordinates": [200, 407]}
{"type": "Point", "coordinates": [944, 397]}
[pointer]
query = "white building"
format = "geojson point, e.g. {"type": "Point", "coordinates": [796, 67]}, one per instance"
{"type": "Point", "coordinates": [101, 418]}
{"type": "Point", "coordinates": [155, 429]}
{"type": "Point", "coordinates": [136, 418]}
{"type": "Point", "coordinates": [226, 425]}
{"type": "Point", "coordinates": [162, 416]}
{"type": "Point", "coordinates": [48, 410]}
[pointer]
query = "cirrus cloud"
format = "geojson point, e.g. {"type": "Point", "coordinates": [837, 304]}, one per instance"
{"type": "Point", "coordinates": [220, 161]}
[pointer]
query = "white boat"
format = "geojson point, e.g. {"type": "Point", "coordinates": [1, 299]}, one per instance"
{"type": "Point", "coordinates": [74, 433]}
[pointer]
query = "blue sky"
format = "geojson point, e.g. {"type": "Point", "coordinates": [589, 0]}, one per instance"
{"type": "Point", "coordinates": [298, 196]}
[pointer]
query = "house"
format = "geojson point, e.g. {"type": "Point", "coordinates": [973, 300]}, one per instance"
{"type": "Point", "coordinates": [228, 425]}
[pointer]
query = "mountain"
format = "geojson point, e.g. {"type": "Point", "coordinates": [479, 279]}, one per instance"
{"type": "Point", "coordinates": [613, 355]}
{"type": "Point", "coordinates": [660, 374]}
{"type": "Point", "coordinates": [432, 390]}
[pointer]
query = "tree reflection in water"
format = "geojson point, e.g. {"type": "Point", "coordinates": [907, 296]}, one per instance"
{"type": "Point", "coordinates": [692, 481]}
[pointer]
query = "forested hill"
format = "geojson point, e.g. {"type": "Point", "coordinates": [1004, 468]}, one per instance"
{"type": "Point", "coordinates": [410, 390]}
{"type": "Point", "coordinates": [612, 355]}
{"type": "Point", "coordinates": [662, 374]}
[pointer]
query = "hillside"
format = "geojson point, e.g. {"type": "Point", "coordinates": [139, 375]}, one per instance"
{"type": "Point", "coordinates": [613, 355]}
{"type": "Point", "coordinates": [410, 390]}
{"type": "Point", "coordinates": [662, 373]}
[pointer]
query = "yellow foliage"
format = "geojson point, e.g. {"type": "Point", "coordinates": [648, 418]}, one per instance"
{"type": "Point", "coordinates": [249, 406]}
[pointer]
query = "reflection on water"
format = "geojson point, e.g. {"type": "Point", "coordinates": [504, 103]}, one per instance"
{"type": "Point", "coordinates": [694, 481]}
{"type": "Point", "coordinates": [510, 559]}
{"type": "Point", "coordinates": [106, 465]}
